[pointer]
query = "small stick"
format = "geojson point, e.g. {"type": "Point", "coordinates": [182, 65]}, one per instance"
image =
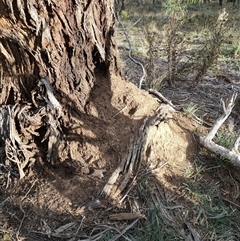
{"type": "Point", "coordinates": [28, 191]}
{"type": "Point", "coordinates": [4, 201]}
{"type": "Point", "coordinates": [124, 231]}
{"type": "Point", "coordinates": [161, 97]}
{"type": "Point", "coordinates": [124, 108]}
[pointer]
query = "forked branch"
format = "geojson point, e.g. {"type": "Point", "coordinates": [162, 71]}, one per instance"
{"type": "Point", "coordinates": [207, 141]}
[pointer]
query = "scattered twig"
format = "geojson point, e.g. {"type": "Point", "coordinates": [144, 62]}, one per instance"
{"type": "Point", "coordinates": [124, 108]}
{"type": "Point", "coordinates": [4, 201]}
{"type": "Point", "coordinates": [124, 231]}
{"type": "Point", "coordinates": [162, 98]}
{"type": "Point", "coordinates": [29, 190]}
{"type": "Point", "coordinates": [231, 202]}
{"type": "Point", "coordinates": [64, 227]}
{"type": "Point", "coordinates": [21, 223]}
{"type": "Point", "coordinates": [8, 179]}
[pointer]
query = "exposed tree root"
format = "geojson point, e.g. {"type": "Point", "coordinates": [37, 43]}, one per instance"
{"type": "Point", "coordinates": [142, 79]}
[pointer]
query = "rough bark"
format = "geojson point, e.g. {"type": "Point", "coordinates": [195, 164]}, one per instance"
{"type": "Point", "coordinates": [51, 54]}
{"type": "Point", "coordinates": [65, 41]}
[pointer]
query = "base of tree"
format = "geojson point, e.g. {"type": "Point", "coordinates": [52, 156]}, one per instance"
{"type": "Point", "coordinates": [116, 130]}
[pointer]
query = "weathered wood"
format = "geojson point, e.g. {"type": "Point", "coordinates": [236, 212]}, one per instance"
{"type": "Point", "coordinates": [207, 141]}
{"type": "Point", "coordinates": [65, 41]}
{"type": "Point", "coordinates": [19, 148]}
{"type": "Point", "coordinates": [126, 216]}
{"type": "Point", "coordinates": [123, 178]}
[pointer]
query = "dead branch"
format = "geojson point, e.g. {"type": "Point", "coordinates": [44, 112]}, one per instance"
{"type": "Point", "coordinates": [207, 141]}
{"type": "Point", "coordinates": [162, 98]}
{"type": "Point", "coordinates": [130, 52]}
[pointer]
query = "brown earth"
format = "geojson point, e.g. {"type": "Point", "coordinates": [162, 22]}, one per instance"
{"type": "Point", "coordinates": [97, 141]}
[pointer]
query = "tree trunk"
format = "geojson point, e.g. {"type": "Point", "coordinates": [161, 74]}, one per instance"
{"type": "Point", "coordinates": [43, 44]}
{"type": "Point", "coordinates": [65, 41]}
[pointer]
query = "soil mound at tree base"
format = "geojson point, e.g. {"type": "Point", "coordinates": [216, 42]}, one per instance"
{"type": "Point", "coordinates": [97, 140]}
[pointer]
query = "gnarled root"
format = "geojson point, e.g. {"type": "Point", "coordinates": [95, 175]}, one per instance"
{"type": "Point", "coordinates": [21, 124]}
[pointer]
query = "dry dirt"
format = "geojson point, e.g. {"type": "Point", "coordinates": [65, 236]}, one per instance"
{"type": "Point", "coordinates": [97, 141]}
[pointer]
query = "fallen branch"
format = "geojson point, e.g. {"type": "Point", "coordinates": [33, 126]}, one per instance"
{"type": "Point", "coordinates": [207, 141]}
{"type": "Point", "coordinates": [130, 53]}
{"type": "Point", "coordinates": [162, 98]}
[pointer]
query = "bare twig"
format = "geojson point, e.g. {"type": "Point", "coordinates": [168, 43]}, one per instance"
{"type": "Point", "coordinates": [124, 108]}
{"type": "Point", "coordinates": [124, 231]}
{"type": "Point", "coordinates": [29, 190]}
{"type": "Point", "coordinates": [161, 97]}
{"type": "Point", "coordinates": [4, 201]}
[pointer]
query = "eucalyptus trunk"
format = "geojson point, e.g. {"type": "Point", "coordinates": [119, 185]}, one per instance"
{"type": "Point", "coordinates": [51, 54]}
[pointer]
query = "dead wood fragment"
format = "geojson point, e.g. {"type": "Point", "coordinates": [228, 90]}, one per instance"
{"type": "Point", "coordinates": [63, 232]}
{"type": "Point", "coordinates": [126, 216]}
{"type": "Point", "coordinates": [207, 141]}
{"type": "Point", "coordinates": [123, 178]}
{"type": "Point", "coordinates": [64, 227]}
{"type": "Point", "coordinates": [162, 98]}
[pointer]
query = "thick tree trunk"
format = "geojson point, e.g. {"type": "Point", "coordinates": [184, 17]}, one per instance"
{"type": "Point", "coordinates": [62, 44]}
{"type": "Point", "coordinates": [65, 41]}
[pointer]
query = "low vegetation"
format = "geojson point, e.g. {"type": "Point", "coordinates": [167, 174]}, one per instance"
{"type": "Point", "coordinates": [185, 45]}
{"type": "Point", "coordinates": [177, 41]}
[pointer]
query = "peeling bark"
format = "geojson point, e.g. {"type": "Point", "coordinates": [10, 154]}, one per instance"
{"type": "Point", "coordinates": [20, 124]}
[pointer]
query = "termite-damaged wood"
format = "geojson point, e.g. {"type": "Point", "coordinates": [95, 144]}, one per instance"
{"type": "Point", "coordinates": [20, 124]}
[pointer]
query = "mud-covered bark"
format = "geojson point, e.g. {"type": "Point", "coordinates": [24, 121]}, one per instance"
{"type": "Point", "coordinates": [51, 53]}
{"type": "Point", "coordinates": [65, 41]}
